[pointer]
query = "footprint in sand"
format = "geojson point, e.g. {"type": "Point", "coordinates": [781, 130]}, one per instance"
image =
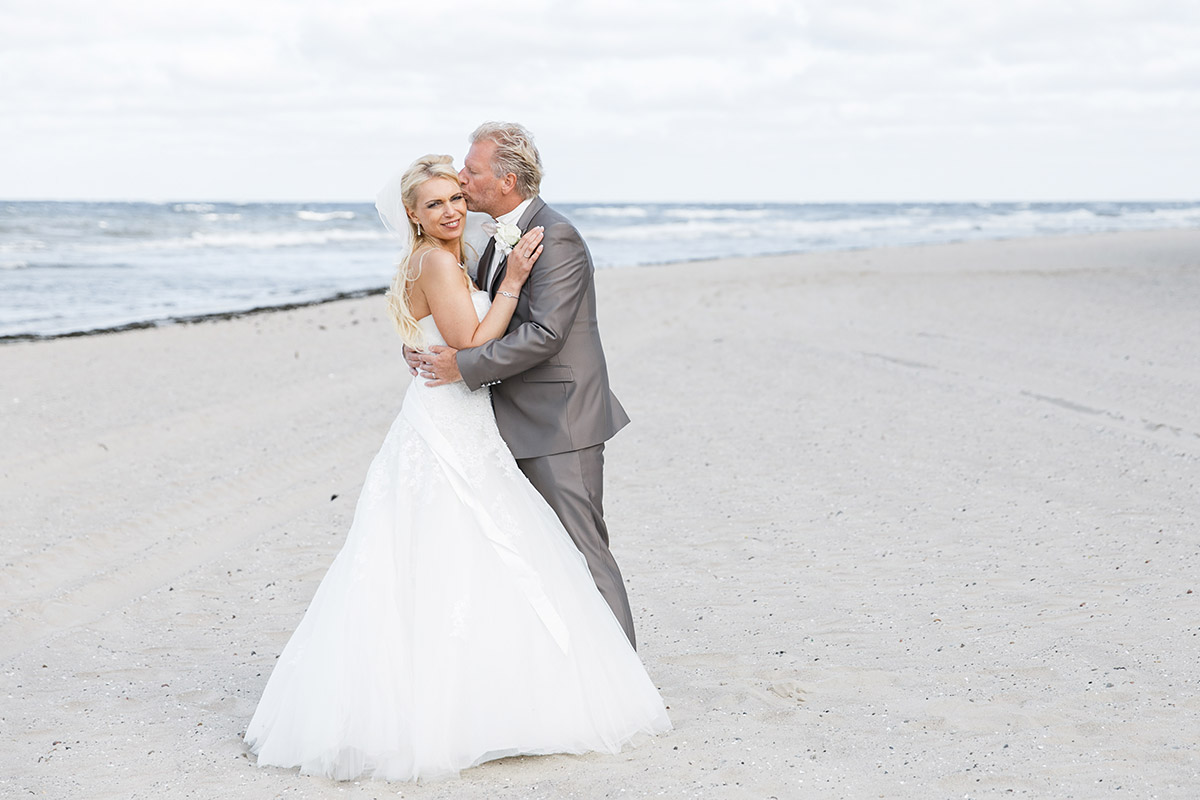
{"type": "Point", "coordinates": [788, 690]}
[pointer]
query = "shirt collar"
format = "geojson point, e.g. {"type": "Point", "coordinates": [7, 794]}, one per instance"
{"type": "Point", "coordinates": [514, 216]}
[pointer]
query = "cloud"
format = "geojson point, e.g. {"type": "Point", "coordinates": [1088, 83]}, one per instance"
{"type": "Point", "coordinates": [271, 98]}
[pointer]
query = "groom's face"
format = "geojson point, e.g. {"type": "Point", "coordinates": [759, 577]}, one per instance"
{"type": "Point", "coordinates": [483, 190]}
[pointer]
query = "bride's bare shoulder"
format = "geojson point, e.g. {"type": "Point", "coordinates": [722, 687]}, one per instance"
{"type": "Point", "coordinates": [435, 261]}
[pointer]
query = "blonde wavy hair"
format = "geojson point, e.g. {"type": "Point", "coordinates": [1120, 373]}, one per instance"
{"type": "Point", "coordinates": [423, 169]}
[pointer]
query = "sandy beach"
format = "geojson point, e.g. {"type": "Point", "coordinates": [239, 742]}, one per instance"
{"type": "Point", "coordinates": [916, 522]}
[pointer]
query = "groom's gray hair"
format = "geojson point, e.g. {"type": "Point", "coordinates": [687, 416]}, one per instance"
{"type": "Point", "coordinates": [515, 153]}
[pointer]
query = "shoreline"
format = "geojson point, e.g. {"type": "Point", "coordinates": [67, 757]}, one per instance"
{"type": "Point", "coordinates": [163, 322]}
{"type": "Point", "coordinates": [909, 522]}
{"type": "Point", "coordinates": [216, 316]}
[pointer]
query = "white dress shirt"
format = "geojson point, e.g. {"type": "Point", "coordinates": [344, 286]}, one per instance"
{"type": "Point", "coordinates": [511, 218]}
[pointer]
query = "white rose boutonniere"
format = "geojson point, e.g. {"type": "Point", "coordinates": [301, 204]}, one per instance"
{"type": "Point", "coordinates": [507, 235]}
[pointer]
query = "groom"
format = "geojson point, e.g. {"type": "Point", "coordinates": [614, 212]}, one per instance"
{"type": "Point", "coordinates": [548, 376]}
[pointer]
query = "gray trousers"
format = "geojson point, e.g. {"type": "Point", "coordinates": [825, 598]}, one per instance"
{"type": "Point", "coordinates": [573, 485]}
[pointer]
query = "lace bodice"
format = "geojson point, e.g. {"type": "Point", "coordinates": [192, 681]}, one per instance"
{"type": "Point", "coordinates": [464, 417]}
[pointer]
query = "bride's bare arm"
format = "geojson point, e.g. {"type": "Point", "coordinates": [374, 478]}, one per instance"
{"type": "Point", "coordinates": [443, 283]}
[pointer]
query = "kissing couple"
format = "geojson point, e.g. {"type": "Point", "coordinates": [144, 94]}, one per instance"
{"type": "Point", "coordinates": [475, 610]}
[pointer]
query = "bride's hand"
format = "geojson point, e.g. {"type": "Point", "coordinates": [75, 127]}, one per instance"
{"type": "Point", "coordinates": [521, 260]}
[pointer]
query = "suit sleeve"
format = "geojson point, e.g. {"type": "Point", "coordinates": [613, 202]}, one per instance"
{"type": "Point", "coordinates": [555, 290]}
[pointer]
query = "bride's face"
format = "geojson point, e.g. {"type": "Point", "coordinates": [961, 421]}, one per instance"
{"type": "Point", "coordinates": [440, 209]}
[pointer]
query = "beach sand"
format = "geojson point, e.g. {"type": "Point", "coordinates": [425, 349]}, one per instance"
{"type": "Point", "coordinates": [917, 522]}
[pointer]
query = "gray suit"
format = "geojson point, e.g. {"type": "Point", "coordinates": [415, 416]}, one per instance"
{"type": "Point", "coordinates": [550, 391]}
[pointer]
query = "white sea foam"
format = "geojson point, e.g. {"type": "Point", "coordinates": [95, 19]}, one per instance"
{"type": "Point", "coordinates": [614, 211]}
{"type": "Point", "coordinates": [1166, 217]}
{"type": "Point", "coordinates": [22, 246]}
{"type": "Point", "coordinates": [272, 239]}
{"type": "Point", "coordinates": [195, 208]}
{"type": "Point", "coordinates": [717, 213]}
{"type": "Point", "coordinates": [781, 228]}
{"type": "Point", "coordinates": [252, 240]}
{"type": "Point", "coordinates": [668, 231]}
{"type": "Point", "coordinates": [324, 216]}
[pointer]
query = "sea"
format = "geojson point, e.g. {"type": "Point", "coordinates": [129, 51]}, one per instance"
{"type": "Point", "coordinates": [68, 268]}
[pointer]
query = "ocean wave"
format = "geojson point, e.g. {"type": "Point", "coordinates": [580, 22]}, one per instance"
{"type": "Point", "coordinates": [14, 265]}
{"type": "Point", "coordinates": [780, 228]}
{"type": "Point", "coordinates": [22, 246]}
{"type": "Point", "coordinates": [883, 225]}
{"type": "Point", "coordinates": [259, 240]}
{"type": "Point", "coordinates": [612, 211]}
{"type": "Point", "coordinates": [717, 213]}
{"type": "Point", "coordinates": [668, 231]}
{"type": "Point", "coordinates": [1028, 221]}
{"type": "Point", "coordinates": [1181, 217]}
{"type": "Point", "coordinates": [75, 266]}
{"type": "Point", "coordinates": [324, 216]}
{"type": "Point", "coordinates": [273, 239]}
{"type": "Point", "coordinates": [193, 208]}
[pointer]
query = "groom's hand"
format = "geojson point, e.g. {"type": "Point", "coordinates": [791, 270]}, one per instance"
{"type": "Point", "coordinates": [440, 365]}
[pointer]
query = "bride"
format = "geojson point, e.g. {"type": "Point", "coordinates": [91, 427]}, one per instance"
{"type": "Point", "coordinates": [459, 623]}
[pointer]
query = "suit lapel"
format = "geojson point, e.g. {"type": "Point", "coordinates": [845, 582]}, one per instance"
{"type": "Point", "coordinates": [527, 218]}
{"type": "Point", "coordinates": [485, 262]}
{"type": "Point", "coordinates": [499, 276]}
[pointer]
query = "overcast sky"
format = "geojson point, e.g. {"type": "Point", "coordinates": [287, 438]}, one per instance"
{"type": "Point", "coordinates": [674, 100]}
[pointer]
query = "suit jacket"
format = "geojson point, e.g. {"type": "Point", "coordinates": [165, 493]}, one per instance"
{"type": "Point", "coordinates": [548, 375]}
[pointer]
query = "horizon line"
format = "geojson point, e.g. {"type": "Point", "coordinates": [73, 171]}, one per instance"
{"type": "Point", "coordinates": [260, 201]}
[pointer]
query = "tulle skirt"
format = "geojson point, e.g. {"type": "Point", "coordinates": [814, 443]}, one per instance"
{"type": "Point", "coordinates": [458, 624]}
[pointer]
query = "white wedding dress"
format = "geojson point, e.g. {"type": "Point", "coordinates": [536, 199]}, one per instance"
{"type": "Point", "coordinates": [458, 624]}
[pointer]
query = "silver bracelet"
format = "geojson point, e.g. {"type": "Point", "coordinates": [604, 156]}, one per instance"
{"type": "Point", "coordinates": [508, 294]}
